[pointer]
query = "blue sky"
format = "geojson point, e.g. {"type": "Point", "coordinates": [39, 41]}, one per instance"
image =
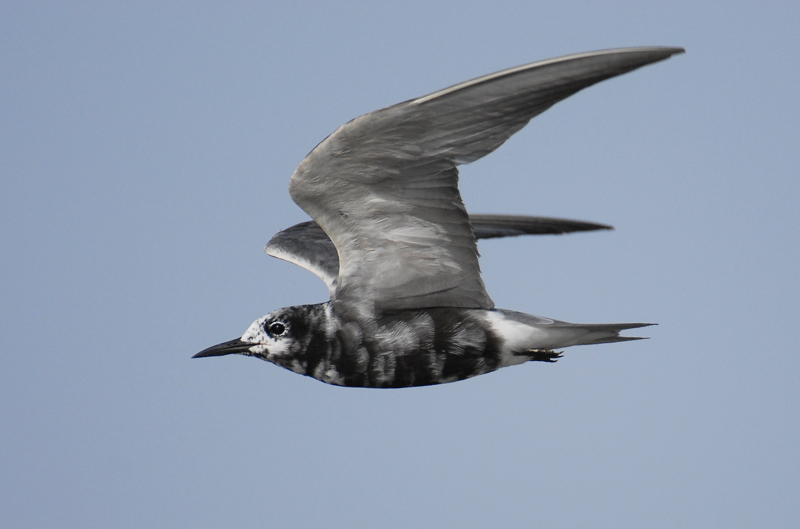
{"type": "Point", "coordinates": [145, 152]}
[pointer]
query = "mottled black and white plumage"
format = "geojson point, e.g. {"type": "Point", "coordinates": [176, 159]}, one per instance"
{"type": "Point", "coordinates": [395, 246]}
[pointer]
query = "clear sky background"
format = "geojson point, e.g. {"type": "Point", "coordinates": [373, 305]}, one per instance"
{"type": "Point", "coordinates": [145, 152]}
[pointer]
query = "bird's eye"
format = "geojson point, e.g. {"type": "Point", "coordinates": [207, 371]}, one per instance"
{"type": "Point", "coordinates": [276, 328]}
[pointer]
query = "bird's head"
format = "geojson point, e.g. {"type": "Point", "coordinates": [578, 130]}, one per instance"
{"type": "Point", "coordinates": [281, 337]}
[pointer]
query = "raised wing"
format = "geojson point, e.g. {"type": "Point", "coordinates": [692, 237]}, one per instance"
{"type": "Point", "coordinates": [309, 247]}
{"type": "Point", "coordinates": [384, 186]}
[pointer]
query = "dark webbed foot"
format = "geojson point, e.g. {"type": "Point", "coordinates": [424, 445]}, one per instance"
{"type": "Point", "coordinates": [541, 355]}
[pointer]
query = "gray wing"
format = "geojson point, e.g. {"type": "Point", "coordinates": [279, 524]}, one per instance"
{"type": "Point", "coordinates": [491, 226]}
{"type": "Point", "coordinates": [384, 186]}
{"type": "Point", "coordinates": [309, 247]}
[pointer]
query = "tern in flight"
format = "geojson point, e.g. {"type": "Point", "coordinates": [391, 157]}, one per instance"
{"type": "Point", "coordinates": [393, 242]}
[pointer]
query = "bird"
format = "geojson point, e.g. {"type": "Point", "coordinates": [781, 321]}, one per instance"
{"type": "Point", "coordinates": [392, 240]}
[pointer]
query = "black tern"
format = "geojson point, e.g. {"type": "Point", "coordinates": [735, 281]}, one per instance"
{"type": "Point", "coordinates": [393, 242]}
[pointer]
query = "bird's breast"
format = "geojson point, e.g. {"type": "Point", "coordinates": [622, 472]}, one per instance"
{"type": "Point", "coordinates": [408, 348]}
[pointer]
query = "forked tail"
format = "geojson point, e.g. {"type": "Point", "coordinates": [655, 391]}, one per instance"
{"type": "Point", "coordinates": [548, 334]}
{"type": "Point", "coordinates": [595, 333]}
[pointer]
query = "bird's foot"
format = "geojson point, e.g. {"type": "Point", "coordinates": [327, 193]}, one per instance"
{"type": "Point", "coordinates": [542, 355]}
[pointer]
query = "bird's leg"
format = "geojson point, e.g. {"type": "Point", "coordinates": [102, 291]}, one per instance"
{"type": "Point", "coordinates": [541, 355]}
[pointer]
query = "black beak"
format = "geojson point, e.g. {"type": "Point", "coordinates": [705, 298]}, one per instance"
{"type": "Point", "coordinates": [235, 346]}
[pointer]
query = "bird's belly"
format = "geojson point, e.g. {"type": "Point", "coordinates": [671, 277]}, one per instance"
{"type": "Point", "coordinates": [415, 348]}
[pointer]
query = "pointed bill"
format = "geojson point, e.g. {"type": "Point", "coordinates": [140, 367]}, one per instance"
{"type": "Point", "coordinates": [235, 346]}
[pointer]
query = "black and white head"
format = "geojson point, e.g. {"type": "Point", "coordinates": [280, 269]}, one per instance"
{"type": "Point", "coordinates": [281, 337]}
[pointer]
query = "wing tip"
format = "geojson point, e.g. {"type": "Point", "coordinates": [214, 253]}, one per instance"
{"type": "Point", "coordinates": [658, 53]}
